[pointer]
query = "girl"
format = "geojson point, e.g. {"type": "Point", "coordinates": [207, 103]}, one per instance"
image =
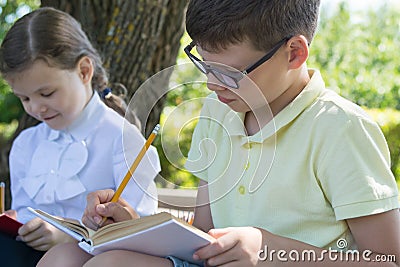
{"type": "Point", "coordinates": [81, 144]}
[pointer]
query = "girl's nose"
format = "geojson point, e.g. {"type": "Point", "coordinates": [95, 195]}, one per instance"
{"type": "Point", "coordinates": [37, 108]}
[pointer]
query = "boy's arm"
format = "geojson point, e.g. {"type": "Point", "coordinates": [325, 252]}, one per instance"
{"type": "Point", "coordinates": [249, 246]}
{"type": "Point", "coordinates": [202, 218]}
{"type": "Point", "coordinates": [379, 233]}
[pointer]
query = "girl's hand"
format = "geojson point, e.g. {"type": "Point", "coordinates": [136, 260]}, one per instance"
{"type": "Point", "coordinates": [237, 246]}
{"type": "Point", "coordinates": [40, 235]}
{"type": "Point", "coordinates": [11, 213]}
{"type": "Point", "coordinates": [99, 206]}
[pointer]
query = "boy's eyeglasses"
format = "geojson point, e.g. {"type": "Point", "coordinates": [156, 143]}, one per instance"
{"type": "Point", "coordinates": [231, 77]}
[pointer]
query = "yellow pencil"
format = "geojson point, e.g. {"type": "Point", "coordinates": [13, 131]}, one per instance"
{"type": "Point", "coordinates": [2, 197]}
{"type": "Point", "coordinates": [133, 167]}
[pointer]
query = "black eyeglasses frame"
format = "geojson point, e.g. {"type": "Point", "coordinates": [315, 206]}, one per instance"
{"type": "Point", "coordinates": [235, 76]}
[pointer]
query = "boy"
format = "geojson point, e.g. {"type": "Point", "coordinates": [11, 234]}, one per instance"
{"type": "Point", "coordinates": [286, 166]}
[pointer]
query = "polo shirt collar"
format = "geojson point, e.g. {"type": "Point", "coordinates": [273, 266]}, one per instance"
{"type": "Point", "coordinates": [234, 123]}
{"type": "Point", "coordinates": [312, 90]}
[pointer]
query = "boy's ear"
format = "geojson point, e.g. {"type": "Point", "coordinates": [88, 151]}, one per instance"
{"type": "Point", "coordinates": [85, 69]}
{"type": "Point", "coordinates": [298, 53]}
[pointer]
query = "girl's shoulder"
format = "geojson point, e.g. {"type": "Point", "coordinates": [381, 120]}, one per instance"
{"type": "Point", "coordinates": [113, 123]}
{"type": "Point", "coordinates": [29, 138]}
{"type": "Point", "coordinates": [33, 134]}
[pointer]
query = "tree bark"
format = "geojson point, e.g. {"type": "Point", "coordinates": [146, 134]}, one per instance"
{"type": "Point", "coordinates": [136, 39]}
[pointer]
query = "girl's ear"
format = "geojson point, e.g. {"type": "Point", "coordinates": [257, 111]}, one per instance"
{"type": "Point", "coordinates": [298, 54]}
{"type": "Point", "coordinates": [85, 69]}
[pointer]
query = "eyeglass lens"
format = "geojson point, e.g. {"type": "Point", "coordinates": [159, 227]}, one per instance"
{"type": "Point", "coordinates": [225, 79]}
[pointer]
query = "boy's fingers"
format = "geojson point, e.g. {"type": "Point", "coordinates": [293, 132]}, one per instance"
{"type": "Point", "coordinates": [217, 233]}
{"type": "Point", "coordinates": [223, 243]}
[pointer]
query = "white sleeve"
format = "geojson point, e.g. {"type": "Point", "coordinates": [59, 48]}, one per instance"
{"type": "Point", "coordinates": [140, 191]}
{"type": "Point", "coordinates": [19, 155]}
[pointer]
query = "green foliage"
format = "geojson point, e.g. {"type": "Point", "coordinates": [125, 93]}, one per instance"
{"type": "Point", "coordinates": [173, 173]}
{"type": "Point", "coordinates": [6, 130]}
{"type": "Point", "coordinates": [186, 84]}
{"type": "Point", "coordinates": [389, 121]}
{"type": "Point", "coordinates": [10, 107]}
{"type": "Point", "coordinates": [11, 10]}
{"type": "Point", "coordinates": [357, 55]}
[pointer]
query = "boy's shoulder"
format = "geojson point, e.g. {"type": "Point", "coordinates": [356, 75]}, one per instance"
{"type": "Point", "coordinates": [331, 113]}
{"type": "Point", "coordinates": [332, 105]}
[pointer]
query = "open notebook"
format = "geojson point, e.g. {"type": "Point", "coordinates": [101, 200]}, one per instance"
{"type": "Point", "coordinates": [160, 235]}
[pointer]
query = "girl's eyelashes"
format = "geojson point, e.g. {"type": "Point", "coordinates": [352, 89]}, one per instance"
{"type": "Point", "coordinates": [47, 94]}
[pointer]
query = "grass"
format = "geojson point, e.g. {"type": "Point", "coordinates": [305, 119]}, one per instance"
{"type": "Point", "coordinates": [398, 186]}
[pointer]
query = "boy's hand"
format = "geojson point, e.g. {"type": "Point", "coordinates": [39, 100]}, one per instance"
{"type": "Point", "coordinates": [41, 235]}
{"type": "Point", "coordinates": [99, 206]}
{"type": "Point", "coordinates": [237, 246]}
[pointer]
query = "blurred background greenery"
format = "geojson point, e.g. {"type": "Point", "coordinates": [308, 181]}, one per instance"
{"type": "Point", "coordinates": [356, 52]}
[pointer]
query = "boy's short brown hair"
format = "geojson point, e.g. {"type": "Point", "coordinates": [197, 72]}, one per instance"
{"type": "Point", "coordinates": [215, 24]}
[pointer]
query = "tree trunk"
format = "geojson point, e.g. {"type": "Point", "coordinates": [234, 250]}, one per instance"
{"type": "Point", "coordinates": [136, 39]}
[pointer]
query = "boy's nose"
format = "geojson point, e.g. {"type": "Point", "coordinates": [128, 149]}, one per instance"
{"type": "Point", "coordinates": [214, 84]}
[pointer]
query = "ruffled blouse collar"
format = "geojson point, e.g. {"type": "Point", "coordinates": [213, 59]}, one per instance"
{"type": "Point", "coordinates": [83, 124]}
{"type": "Point", "coordinates": [54, 171]}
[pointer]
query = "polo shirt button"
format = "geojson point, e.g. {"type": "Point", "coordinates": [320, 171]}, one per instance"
{"type": "Point", "coordinates": [248, 146]}
{"type": "Point", "coordinates": [246, 167]}
{"type": "Point", "coordinates": [242, 190]}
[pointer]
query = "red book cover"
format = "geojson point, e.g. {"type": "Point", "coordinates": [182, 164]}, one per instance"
{"type": "Point", "coordinates": [8, 225]}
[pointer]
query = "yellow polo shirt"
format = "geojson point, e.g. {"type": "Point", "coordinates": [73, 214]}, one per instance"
{"type": "Point", "coordinates": [320, 161]}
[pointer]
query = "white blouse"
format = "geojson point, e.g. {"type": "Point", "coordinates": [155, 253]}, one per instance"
{"type": "Point", "coordinates": [55, 170]}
